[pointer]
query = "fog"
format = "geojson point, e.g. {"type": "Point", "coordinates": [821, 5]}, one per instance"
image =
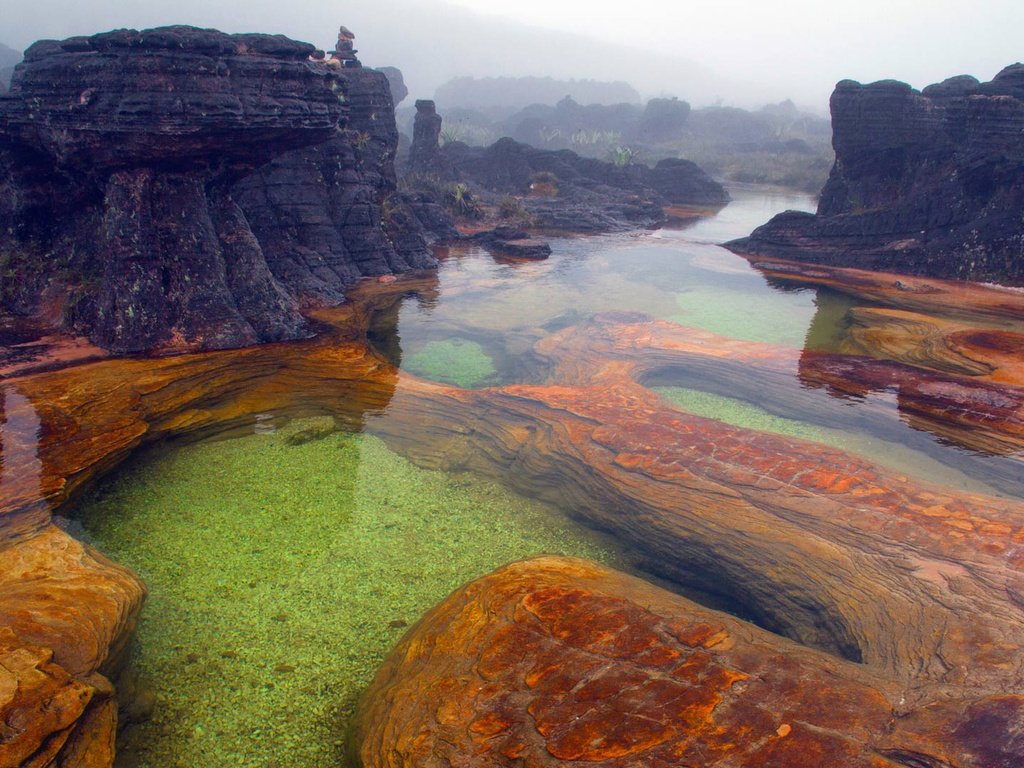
{"type": "Point", "coordinates": [732, 51]}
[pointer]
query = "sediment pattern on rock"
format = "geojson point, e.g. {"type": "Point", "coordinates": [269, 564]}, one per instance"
{"type": "Point", "coordinates": [119, 157]}
{"type": "Point", "coordinates": [556, 661]}
{"type": "Point", "coordinates": [925, 183]}
{"type": "Point", "coordinates": [920, 583]}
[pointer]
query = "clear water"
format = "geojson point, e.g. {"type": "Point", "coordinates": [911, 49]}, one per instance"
{"type": "Point", "coordinates": [281, 574]}
{"type": "Point", "coordinates": [281, 571]}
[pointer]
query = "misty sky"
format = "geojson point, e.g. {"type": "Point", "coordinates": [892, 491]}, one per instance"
{"type": "Point", "coordinates": [742, 52]}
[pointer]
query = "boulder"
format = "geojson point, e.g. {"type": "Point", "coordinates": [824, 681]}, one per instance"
{"type": "Point", "coordinates": [557, 662]}
{"type": "Point", "coordinates": [66, 617]}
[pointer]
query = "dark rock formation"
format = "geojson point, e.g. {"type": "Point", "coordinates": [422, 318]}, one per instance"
{"type": "Point", "coordinates": [344, 50]}
{"type": "Point", "coordinates": [683, 182]}
{"type": "Point", "coordinates": [426, 139]}
{"type": "Point", "coordinates": [927, 183]}
{"type": "Point", "coordinates": [117, 153]}
{"type": "Point", "coordinates": [396, 82]}
{"type": "Point", "coordinates": [564, 191]}
{"type": "Point", "coordinates": [123, 156]}
{"type": "Point", "coordinates": [329, 214]}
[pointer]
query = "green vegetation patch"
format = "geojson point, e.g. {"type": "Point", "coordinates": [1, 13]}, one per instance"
{"type": "Point", "coordinates": [767, 317]}
{"type": "Point", "coordinates": [280, 575]}
{"type": "Point", "coordinates": [453, 361]}
{"type": "Point", "coordinates": [740, 413]}
{"type": "Point", "coordinates": [897, 457]}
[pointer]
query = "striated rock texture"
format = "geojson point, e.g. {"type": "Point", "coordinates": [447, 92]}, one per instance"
{"type": "Point", "coordinates": [119, 155]}
{"type": "Point", "coordinates": [330, 214]}
{"type": "Point", "coordinates": [921, 583]}
{"type": "Point", "coordinates": [557, 661]}
{"type": "Point", "coordinates": [924, 183]}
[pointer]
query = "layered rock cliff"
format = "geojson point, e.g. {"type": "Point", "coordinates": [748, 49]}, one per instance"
{"type": "Point", "coordinates": [124, 158]}
{"type": "Point", "coordinates": [329, 214]}
{"type": "Point", "coordinates": [927, 183]}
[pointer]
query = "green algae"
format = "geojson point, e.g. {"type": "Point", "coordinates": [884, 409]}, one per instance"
{"type": "Point", "coordinates": [281, 574]}
{"type": "Point", "coordinates": [740, 413]}
{"type": "Point", "coordinates": [897, 457]}
{"type": "Point", "coordinates": [775, 318]}
{"type": "Point", "coordinates": [453, 361]}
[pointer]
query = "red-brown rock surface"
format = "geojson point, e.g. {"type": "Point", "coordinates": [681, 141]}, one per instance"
{"type": "Point", "coordinates": [556, 661]}
{"type": "Point", "coordinates": [66, 615]}
{"type": "Point", "coordinates": [924, 585]}
{"type": "Point", "coordinates": [926, 294]}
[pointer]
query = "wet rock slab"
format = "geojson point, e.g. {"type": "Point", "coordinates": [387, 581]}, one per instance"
{"type": "Point", "coordinates": [921, 583]}
{"type": "Point", "coordinates": [555, 661]}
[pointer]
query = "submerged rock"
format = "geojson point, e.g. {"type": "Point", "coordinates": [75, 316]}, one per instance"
{"type": "Point", "coordinates": [925, 183]}
{"type": "Point", "coordinates": [513, 242]}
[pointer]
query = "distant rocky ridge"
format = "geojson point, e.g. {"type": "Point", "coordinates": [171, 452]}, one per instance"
{"type": "Point", "coordinates": [8, 58]}
{"type": "Point", "coordinates": [519, 92]}
{"type": "Point", "coordinates": [777, 144]}
{"type": "Point", "coordinates": [560, 190]}
{"type": "Point", "coordinates": [925, 183]}
{"type": "Point", "coordinates": [132, 208]}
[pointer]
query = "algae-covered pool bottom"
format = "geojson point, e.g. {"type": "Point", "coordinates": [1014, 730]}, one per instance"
{"type": "Point", "coordinates": [280, 575]}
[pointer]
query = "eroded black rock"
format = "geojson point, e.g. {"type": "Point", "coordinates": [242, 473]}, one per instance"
{"type": "Point", "coordinates": [928, 183]}
{"type": "Point", "coordinates": [180, 188]}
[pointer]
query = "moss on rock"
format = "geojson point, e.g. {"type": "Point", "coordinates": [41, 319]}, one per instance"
{"type": "Point", "coordinates": [453, 361]}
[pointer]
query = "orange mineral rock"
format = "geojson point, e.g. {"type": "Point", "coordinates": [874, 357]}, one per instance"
{"type": "Point", "coordinates": [556, 661]}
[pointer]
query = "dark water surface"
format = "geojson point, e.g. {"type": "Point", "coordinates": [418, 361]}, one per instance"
{"type": "Point", "coordinates": [285, 563]}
